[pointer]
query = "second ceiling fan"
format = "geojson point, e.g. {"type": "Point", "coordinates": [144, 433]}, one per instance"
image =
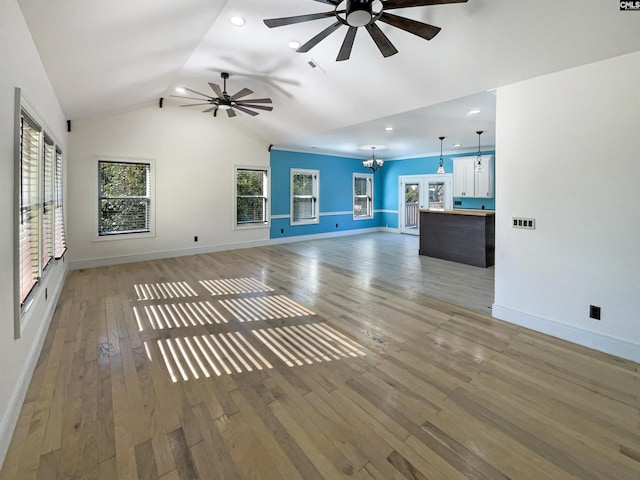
{"type": "Point", "coordinates": [364, 13]}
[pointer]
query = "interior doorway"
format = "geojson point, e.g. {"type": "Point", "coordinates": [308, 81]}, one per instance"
{"type": "Point", "coordinates": [418, 192]}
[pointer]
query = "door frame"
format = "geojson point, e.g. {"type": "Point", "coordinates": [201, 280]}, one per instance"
{"type": "Point", "coordinates": [423, 182]}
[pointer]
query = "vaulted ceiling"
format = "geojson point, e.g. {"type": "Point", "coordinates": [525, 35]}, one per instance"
{"type": "Point", "coordinates": [110, 56]}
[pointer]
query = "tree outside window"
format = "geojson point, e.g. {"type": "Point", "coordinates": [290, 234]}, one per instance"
{"type": "Point", "coordinates": [124, 197]}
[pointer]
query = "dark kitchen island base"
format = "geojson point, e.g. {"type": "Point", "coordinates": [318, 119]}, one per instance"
{"type": "Point", "coordinates": [464, 236]}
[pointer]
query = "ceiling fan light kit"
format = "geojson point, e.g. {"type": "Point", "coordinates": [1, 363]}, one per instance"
{"type": "Point", "coordinates": [224, 101]}
{"type": "Point", "coordinates": [364, 13]}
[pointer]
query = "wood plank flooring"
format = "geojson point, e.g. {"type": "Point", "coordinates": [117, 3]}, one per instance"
{"type": "Point", "coordinates": [265, 363]}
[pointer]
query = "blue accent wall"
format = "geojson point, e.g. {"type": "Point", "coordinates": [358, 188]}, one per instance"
{"type": "Point", "coordinates": [336, 190]}
{"type": "Point", "coordinates": [336, 193]}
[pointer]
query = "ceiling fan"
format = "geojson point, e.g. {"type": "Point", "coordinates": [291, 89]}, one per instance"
{"type": "Point", "coordinates": [224, 101]}
{"type": "Point", "coordinates": [364, 13]}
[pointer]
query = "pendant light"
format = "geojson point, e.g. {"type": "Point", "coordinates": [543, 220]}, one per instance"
{"type": "Point", "coordinates": [373, 163]}
{"type": "Point", "coordinates": [441, 166]}
{"type": "Point", "coordinates": [479, 166]}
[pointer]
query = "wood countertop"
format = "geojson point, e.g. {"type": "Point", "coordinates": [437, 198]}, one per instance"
{"type": "Point", "coordinates": [460, 211]}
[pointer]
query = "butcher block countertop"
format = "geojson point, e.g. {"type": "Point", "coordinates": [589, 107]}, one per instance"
{"type": "Point", "coordinates": [460, 211]}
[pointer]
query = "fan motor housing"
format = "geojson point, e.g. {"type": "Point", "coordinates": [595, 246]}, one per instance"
{"type": "Point", "coordinates": [359, 12]}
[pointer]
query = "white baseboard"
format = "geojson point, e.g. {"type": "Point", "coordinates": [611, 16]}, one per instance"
{"type": "Point", "coordinates": [143, 257]}
{"type": "Point", "coordinates": [604, 343]}
{"type": "Point", "coordinates": [10, 416]}
{"type": "Point", "coordinates": [319, 236]}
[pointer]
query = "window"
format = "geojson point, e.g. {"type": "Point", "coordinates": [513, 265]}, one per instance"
{"type": "Point", "coordinates": [47, 201]}
{"type": "Point", "coordinates": [124, 197]}
{"type": "Point", "coordinates": [30, 207]}
{"type": "Point", "coordinates": [252, 193]}
{"type": "Point", "coordinates": [362, 196]}
{"type": "Point", "coordinates": [60, 237]}
{"type": "Point", "coordinates": [304, 196]}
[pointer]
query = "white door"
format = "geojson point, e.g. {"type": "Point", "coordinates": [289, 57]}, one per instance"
{"type": "Point", "coordinates": [422, 192]}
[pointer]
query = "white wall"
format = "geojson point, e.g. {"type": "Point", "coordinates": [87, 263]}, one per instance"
{"type": "Point", "coordinates": [567, 154]}
{"type": "Point", "coordinates": [21, 67]}
{"type": "Point", "coordinates": [194, 157]}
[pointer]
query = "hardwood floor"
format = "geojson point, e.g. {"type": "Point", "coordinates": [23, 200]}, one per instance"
{"type": "Point", "coordinates": [270, 364]}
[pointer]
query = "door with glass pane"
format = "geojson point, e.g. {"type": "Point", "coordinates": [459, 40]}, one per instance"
{"type": "Point", "coordinates": [422, 192]}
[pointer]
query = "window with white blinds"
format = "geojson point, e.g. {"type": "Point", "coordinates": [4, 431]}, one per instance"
{"type": "Point", "coordinates": [362, 196]}
{"type": "Point", "coordinates": [252, 195]}
{"type": "Point", "coordinates": [48, 227]}
{"type": "Point", "coordinates": [60, 241]}
{"type": "Point", "coordinates": [30, 205]}
{"type": "Point", "coordinates": [305, 202]}
{"type": "Point", "coordinates": [124, 197]}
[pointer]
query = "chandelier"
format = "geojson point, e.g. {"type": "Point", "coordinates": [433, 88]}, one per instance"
{"type": "Point", "coordinates": [373, 163]}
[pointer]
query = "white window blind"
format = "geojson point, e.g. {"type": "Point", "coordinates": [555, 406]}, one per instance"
{"type": "Point", "coordinates": [29, 204]}
{"type": "Point", "coordinates": [60, 236]}
{"type": "Point", "coordinates": [124, 197]}
{"type": "Point", "coordinates": [47, 202]}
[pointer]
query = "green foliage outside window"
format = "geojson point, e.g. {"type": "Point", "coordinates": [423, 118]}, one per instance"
{"type": "Point", "coordinates": [124, 197]}
{"type": "Point", "coordinates": [251, 196]}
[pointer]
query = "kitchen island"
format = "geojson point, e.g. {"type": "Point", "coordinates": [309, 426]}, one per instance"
{"type": "Point", "coordinates": [464, 236]}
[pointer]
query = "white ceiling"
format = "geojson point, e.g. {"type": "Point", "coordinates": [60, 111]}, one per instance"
{"type": "Point", "coordinates": [109, 56]}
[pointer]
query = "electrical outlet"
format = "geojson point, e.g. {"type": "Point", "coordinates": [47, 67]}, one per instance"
{"type": "Point", "coordinates": [282, 230]}
{"type": "Point", "coordinates": [195, 239]}
{"type": "Point", "coordinates": [525, 223]}
{"type": "Point", "coordinates": [594, 312]}
{"type": "Point", "coordinates": [336, 225]}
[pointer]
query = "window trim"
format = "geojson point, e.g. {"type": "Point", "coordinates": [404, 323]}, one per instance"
{"type": "Point", "coordinates": [267, 195]}
{"type": "Point", "coordinates": [370, 179]}
{"type": "Point", "coordinates": [152, 200]}
{"type": "Point", "coordinates": [315, 194]}
{"type": "Point", "coordinates": [22, 304]}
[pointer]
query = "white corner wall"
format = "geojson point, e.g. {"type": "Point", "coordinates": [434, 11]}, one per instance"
{"type": "Point", "coordinates": [567, 154]}
{"type": "Point", "coordinates": [194, 157]}
{"type": "Point", "coordinates": [21, 67]}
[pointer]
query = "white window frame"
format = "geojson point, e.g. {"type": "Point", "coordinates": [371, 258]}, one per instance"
{"type": "Point", "coordinates": [266, 223]}
{"type": "Point", "coordinates": [151, 195]}
{"type": "Point", "coordinates": [41, 237]}
{"type": "Point", "coordinates": [315, 196]}
{"type": "Point", "coordinates": [369, 195]}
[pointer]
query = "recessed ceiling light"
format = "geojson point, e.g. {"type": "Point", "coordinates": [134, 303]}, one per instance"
{"type": "Point", "coordinates": [388, 129]}
{"type": "Point", "coordinates": [180, 90]}
{"type": "Point", "coordinates": [293, 45]}
{"type": "Point", "coordinates": [457, 145]}
{"type": "Point", "coordinates": [474, 112]}
{"type": "Point", "coordinates": [237, 21]}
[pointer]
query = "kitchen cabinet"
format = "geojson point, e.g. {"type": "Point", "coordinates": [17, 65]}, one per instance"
{"type": "Point", "coordinates": [469, 183]}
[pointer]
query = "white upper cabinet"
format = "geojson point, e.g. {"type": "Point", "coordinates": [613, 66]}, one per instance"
{"type": "Point", "coordinates": [469, 183]}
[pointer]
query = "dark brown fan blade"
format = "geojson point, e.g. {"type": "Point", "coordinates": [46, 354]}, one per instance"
{"type": "Point", "coordinates": [246, 110]}
{"type": "Point", "coordinates": [258, 107]}
{"type": "Point", "coordinates": [254, 100]}
{"type": "Point", "coordinates": [319, 37]}
{"type": "Point", "coordinates": [197, 93]}
{"type": "Point", "coordinates": [347, 44]}
{"type": "Point", "coordinates": [216, 88]}
{"type": "Point", "coordinates": [242, 93]}
{"type": "Point", "coordinates": [195, 104]}
{"type": "Point", "coordinates": [330, 2]}
{"type": "Point", "coordinates": [384, 44]}
{"type": "Point", "coordinates": [231, 113]}
{"type": "Point", "coordinates": [420, 29]}
{"type": "Point", "coordinates": [390, 4]}
{"type": "Point", "coordinates": [210, 109]}
{"type": "Point", "coordinates": [189, 98]}
{"type": "Point", "coordinates": [280, 22]}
